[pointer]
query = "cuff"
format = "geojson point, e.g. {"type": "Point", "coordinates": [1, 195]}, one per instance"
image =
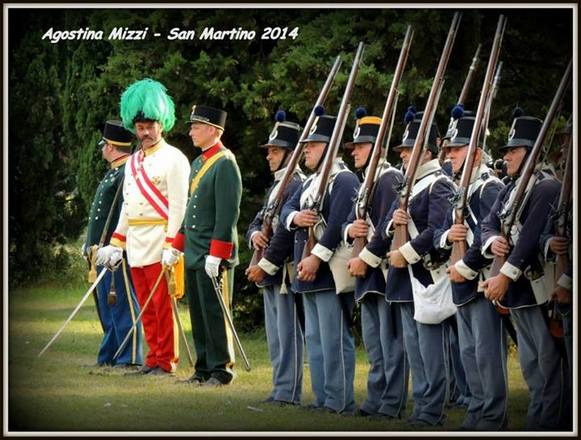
{"type": "Point", "coordinates": [167, 244]}
{"type": "Point", "coordinates": [322, 252]}
{"type": "Point", "coordinates": [118, 240]}
{"type": "Point", "coordinates": [250, 240]}
{"type": "Point", "coordinates": [268, 267]}
{"type": "Point", "coordinates": [486, 245]}
{"type": "Point", "coordinates": [389, 229]}
{"type": "Point", "coordinates": [444, 241]}
{"type": "Point", "coordinates": [511, 271]}
{"type": "Point", "coordinates": [289, 221]}
{"type": "Point", "coordinates": [221, 249]}
{"type": "Point", "coordinates": [370, 258]}
{"type": "Point", "coordinates": [464, 270]}
{"type": "Point", "coordinates": [566, 282]}
{"type": "Point", "coordinates": [346, 237]}
{"type": "Point", "coordinates": [178, 242]}
{"type": "Point", "coordinates": [549, 256]}
{"type": "Point", "coordinates": [409, 253]}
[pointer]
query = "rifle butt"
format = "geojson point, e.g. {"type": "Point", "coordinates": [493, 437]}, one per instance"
{"type": "Point", "coordinates": [496, 265]}
{"type": "Point", "coordinates": [358, 245]}
{"type": "Point", "coordinates": [561, 264]}
{"type": "Point", "coordinates": [458, 251]}
{"type": "Point", "coordinates": [310, 244]}
{"type": "Point", "coordinates": [256, 257]}
{"type": "Point", "coordinates": [400, 237]}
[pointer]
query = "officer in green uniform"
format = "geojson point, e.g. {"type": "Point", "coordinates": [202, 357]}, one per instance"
{"type": "Point", "coordinates": [116, 302]}
{"type": "Point", "coordinates": [209, 239]}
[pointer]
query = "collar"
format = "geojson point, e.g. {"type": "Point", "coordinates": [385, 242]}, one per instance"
{"type": "Point", "coordinates": [209, 152]}
{"type": "Point", "coordinates": [478, 172]}
{"type": "Point", "coordinates": [428, 168]}
{"type": "Point", "coordinates": [279, 174]}
{"type": "Point", "coordinates": [154, 148]}
{"type": "Point", "coordinates": [119, 161]}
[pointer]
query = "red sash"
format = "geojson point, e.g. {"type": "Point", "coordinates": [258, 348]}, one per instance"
{"type": "Point", "coordinates": [155, 198]}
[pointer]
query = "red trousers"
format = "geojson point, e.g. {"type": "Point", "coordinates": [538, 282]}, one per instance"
{"type": "Point", "coordinates": [159, 327]}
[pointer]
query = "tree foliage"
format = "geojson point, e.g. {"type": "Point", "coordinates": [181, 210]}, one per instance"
{"type": "Point", "coordinates": [61, 94]}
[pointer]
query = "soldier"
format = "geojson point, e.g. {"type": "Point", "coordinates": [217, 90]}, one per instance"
{"type": "Point", "coordinates": [155, 196]}
{"type": "Point", "coordinates": [424, 343]}
{"type": "Point", "coordinates": [210, 239]}
{"type": "Point", "coordinates": [387, 379]}
{"type": "Point", "coordinates": [116, 303]}
{"type": "Point", "coordinates": [328, 315]}
{"type": "Point", "coordinates": [512, 288]}
{"type": "Point", "coordinates": [482, 337]}
{"type": "Point", "coordinates": [282, 309]}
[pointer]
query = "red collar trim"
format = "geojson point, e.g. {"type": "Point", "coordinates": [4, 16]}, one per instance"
{"type": "Point", "coordinates": [212, 150]}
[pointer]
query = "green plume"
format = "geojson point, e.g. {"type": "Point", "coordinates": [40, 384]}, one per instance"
{"type": "Point", "coordinates": [148, 100]}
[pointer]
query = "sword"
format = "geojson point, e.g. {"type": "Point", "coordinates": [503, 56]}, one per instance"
{"type": "Point", "coordinates": [174, 306]}
{"type": "Point", "coordinates": [72, 315]}
{"type": "Point", "coordinates": [218, 292]}
{"type": "Point", "coordinates": [134, 326]}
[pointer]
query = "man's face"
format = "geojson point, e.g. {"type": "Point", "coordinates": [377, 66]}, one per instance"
{"type": "Point", "coordinates": [275, 157]}
{"type": "Point", "coordinates": [202, 135]}
{"type": "Point", "coordinates": [456, 155]}
{"type": "Point", "coordinates": [148, 133]}
{"type": "Point", "coordinates": [313, 153]}
{"type": "Point", "coordinates": [360, 154]}
{"type": "Point", "coordinates": [513, 158]}
{"type": "Point", "coordinates": [405, 155]}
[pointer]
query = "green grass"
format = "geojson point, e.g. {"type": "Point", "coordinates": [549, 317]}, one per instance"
{"type": "Point", "coordinates": [60, 392]}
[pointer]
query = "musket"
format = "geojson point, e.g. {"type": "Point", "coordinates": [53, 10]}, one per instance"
{"type": "Point", "coordinates": [74, 312]}
{"type": "Point", "coordinates": [333, 146]}
{"type": "Point", "coordinates": [491, 96]}
{"type": "Point", "coordinates": [401, 231]}
{"type": "Point", "coordinates": [563, 209]}
{"type": "Point", "coordinates": [273, 209]}
{"type": "Point", "coordinates": [226, 313]}
{"type": "Point", "coordinates": [528, 170]}
{"type": "Point", "coordinates": [147, 301]}
{"type": "Point", "coordinates": [365, 196]}
{"type": "Point", "coordinates": [459, 247]}
{"type": "Point", "coordinates": [465, 88]}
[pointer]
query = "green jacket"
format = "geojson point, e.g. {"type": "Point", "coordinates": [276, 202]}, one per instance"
{"type": "Point", "coordinates": [213, 209]}
{"type": "Point", "coordinates": [102, 204]}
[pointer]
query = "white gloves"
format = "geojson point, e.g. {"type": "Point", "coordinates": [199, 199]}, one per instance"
{"type": "Point", "coordinates": [169, 257]}
{"type": "Point", "coordinates": [212, 266]}
{"type": "Point", "coordinates": [109, 255]}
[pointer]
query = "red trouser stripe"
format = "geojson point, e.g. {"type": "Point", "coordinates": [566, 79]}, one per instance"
{"type": "Point", "coordinates": [157, 319]}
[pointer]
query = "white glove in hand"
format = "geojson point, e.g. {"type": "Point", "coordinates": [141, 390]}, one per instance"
{"type": "Point", "coordinates": [170, 257]}
{"type": "Point", "coordinates": [212, 266]}
{"type": "Point", "coordinates": [109, 255]}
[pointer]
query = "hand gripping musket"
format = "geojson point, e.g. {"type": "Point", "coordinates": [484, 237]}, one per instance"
{"type": "Point", "coordinates": [465, 88]}
{"type": "Point", "coordinates": [459, 247]}
{"type": "Point", "coordinates": [529, 169]}
{"type": "Point", "coordinates": [274, 209]}
{"type": "Point", "coordinates": [365, 197]}
{"type": "Point", "coordinates": [74, 312]}
{"type": "Point", "coordinates": [333, 146]}
{"type": "Point", "coordinates": [401, 231]}
{"type": "Point", "coordinates": [176, 314]}
{"type": "Point", "coordinates": [491, 96]}
{"type": "Point", "coordinates": [147, 301]}
{"type": "Point", "coordinates": [218, 291]}
{"type": "Point", "coordinates": [564, 208]}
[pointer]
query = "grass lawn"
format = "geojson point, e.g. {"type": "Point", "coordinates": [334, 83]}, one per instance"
{"type": "Point", "coordinates": [61, 392]}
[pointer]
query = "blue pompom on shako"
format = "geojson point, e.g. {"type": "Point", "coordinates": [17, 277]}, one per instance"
{"type": "Point", "coordinates": [523, 133]}
{"type": "Point", "coordinates": [285, 134]}
{"type": "Point", "coordinates": [322, 128]}
{"type": "Point", "coordinates": [115, 134]}
{"type": "Point", "coordinates": [366, 128]}
{"type": "Point", "coordinates": [411, 132]}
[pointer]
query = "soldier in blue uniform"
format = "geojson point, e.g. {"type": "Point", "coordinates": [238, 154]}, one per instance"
{"type": "Point", "coordinates": [424, 343]}
{"type": "Point", "coordinates": [282, 308]}
{"type": "Point", "coordinates": [520, 284]}
{"type": "Point", "coordinates": [482, 337]}
{"type": "Point", "coordinates": [327, 296]}
{"type": "Point", "coordinates": [116, 301]}
{"type": "Point", "coordinates": [387, 380]}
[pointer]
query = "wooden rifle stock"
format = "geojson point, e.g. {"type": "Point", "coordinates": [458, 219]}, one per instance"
{"type": "Point", "coordinates": [401, 235]}
{"type": "Point", "coordinates": [459, 247]}
{"type": "Point", "coordinates": [465, 88]}
{"type": "Point", "coordinates": [272, 211]}
{"type": "Point", "coordinates": [333, 145]}
{"type": "Point", "coordinates": [563, 209]}
{"type": "Point", "coordinates": [365, 198]}
{"type": "Point", "coordinates": [529, 168]}
{"type": "Point", "coordinates": [491, 96]}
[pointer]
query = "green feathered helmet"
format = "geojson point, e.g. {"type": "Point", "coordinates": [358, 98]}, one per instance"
{"type": "Point", "coordinates": [147, 99]}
